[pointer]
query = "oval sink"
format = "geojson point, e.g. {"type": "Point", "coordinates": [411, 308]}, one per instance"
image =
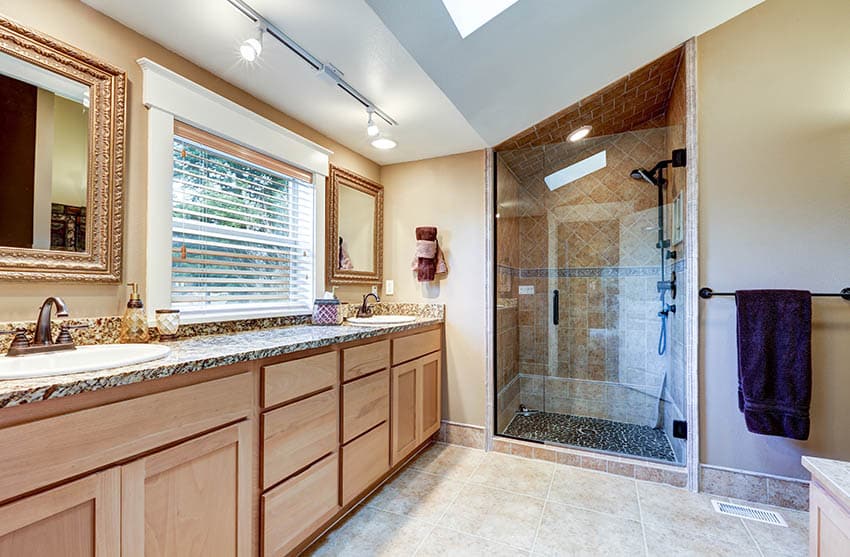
{"type": "Point", "coordinates": [381, 320]}
{"type": "Point", "coordinates": [84, 358]}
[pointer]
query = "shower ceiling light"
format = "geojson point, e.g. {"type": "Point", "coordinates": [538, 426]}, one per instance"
{"type": "Point", "coordinates": [371, 127]}
{"type": "Point", "coordinates": [383, 143]}
{"type": "Point", "coordinates": [580, 133]}
{"type": "Point", "coordinates": [253, 46]}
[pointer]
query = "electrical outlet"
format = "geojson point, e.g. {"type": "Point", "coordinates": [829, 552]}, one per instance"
{"type": "Point", "coordinates": [389, 288]}
{"type": "Point", "coordinates": [526, 289]}
{"type": "Point", "coordinates": [375, 289]}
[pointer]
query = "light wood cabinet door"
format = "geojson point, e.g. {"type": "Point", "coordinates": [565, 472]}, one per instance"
{"type": "Point", "coordinates": [404, 416]}
{"type": "Point", "coordinates": [190, 500]}
{"type": "Point", "coordinates": [829, 524]}
{"type": "Point", "coordinates": [78, 519]}
{"type": "Point", "coordinates": [429, 400]}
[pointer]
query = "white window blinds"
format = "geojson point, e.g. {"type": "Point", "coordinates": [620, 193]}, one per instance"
{"type": "Point", "coordinates": [242, 235]}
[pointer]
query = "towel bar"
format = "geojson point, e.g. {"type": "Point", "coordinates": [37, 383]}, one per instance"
{"type": "Point", "coordinates": [707, 293]}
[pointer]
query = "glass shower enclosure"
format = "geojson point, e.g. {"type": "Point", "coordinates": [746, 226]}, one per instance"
{"type": "Point", "coordinates": [589, 337]}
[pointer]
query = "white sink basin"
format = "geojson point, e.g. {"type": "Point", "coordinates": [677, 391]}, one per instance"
{"type": "Point", "coordinates": [84, 358]}
{"type": "Point", "coordinates": [381, 320]}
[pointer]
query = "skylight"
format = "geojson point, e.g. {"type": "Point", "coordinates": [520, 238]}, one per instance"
{"type": "Point", "coordinates": [469, 15]}
{"type": "Point", "coordinates": [575, 171]}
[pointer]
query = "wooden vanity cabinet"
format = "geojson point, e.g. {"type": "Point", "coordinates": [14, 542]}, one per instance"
{"type": "Point", "coordinates": [416, 391]}
{"type": "Point", "coordinates": [192, 499]}
{"type": "Point", "coordinates": [77, 519]}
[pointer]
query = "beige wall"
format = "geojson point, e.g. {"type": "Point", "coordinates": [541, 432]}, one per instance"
{"type": "Point", "coordinates": [446, 192]}
{"type": "Point", "coordinates": [87, 29]}
{"type": "Point", "coordinates": [774, 137]}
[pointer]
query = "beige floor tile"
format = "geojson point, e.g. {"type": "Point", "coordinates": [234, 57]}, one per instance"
{"type": "Point", "coordinates": [665, 507]}
{"type": "Point", "coordinates": [566, 530]}
{"type": "Point", "coordinates": [667, 542]}
{"type": "Point", "coordinates": [417, 494]}
{"type": "Point", "coordinates": [512, 473]}
{"type": "Point", "coordinates": [449, 460]}
{"type": "Point", "coordinates": [778, 540]}
{"type": "Point", "coordinates": [443, 542]}
{"type": "Point", "coordinates": [497, 515]}
{"type": "Point", "coordinates": [595, 491]}
{"type": "Point", "coordinates": [372, 533]}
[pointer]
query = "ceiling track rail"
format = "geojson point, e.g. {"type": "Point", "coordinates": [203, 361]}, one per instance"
{"type": "Point", "coordinates": [326, 70]}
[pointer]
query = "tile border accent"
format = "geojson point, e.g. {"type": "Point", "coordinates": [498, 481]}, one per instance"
{"type": "Point", "coordinates": [465, 435]}
{"type": "Point", "coordinates": [778, 491]}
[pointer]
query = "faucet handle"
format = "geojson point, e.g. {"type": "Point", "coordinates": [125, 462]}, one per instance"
{"type": "Point", "coordinates": [64, 336]}
{"type": "Point", "coordinates": [20, 340]}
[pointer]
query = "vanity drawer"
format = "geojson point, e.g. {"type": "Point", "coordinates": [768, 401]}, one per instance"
{"type": "Point", "coordinates": [298, 434]}
{"type": "Point", "coordinates": [289, 380]}
{"type": "Point", "coordinates": [365, 359]}
{"type": "Point", "coordinates": [365, 404]}
{"type": "Point", "coordinates": [364, 460]}
{"type": "Point", "coordinates": [413, 346]}
{"type": "Point", "coordinates": [296, 508]}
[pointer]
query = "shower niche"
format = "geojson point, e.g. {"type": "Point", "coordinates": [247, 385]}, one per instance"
{"type": "Point", "coordinates": [589, 344]}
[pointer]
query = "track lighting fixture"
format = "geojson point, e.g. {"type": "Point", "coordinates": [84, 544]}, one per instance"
{"type": "Point", "coordinates": [383, 143]}
{"type": "Point", "coordinates": [371, 127]}
{"type": "Point", "coordinates": [253, 45]}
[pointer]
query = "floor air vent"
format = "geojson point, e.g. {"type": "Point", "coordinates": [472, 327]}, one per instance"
{"type": "Point", "coordinates": [750, 513]}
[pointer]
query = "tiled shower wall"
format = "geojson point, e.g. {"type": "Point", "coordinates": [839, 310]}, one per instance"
{"type": "Point", "coordinates": [594, 241]}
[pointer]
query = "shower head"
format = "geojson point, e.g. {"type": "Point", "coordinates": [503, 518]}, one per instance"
{"type": "Point", "coordinates": [643, 174]}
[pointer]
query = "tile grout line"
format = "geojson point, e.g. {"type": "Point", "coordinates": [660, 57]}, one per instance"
{"type": "Point", "coordinates": [543, 512]}
{"type": "Point", "coordinates": [752, 537]}
{"type": "Point", "coordinates": [642, 525]}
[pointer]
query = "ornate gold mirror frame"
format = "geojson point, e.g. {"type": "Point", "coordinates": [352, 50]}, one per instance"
{"type": "Point", "coordinates": [333, 274]}
{"type": "Point", "coordinates": [101, 262]}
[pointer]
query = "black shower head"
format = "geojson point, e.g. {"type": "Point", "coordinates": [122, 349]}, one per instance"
{"type": "Point", "coordinates": [643, 174]}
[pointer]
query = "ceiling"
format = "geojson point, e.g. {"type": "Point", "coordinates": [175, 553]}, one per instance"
{"type": "Point", "coordinates": [539, 56]}
{"type": "Point", "coordinates": [448, 95]}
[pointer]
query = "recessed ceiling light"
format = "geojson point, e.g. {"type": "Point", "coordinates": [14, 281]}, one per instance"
{"type": "Point", "coordinates": [580, 133]}
{"type": "Point", "coordinates": [469, 15]}
{"type": "Point", "coordinates": [253, 46]}
{"type": "Point", "coordinates": [383, 143]}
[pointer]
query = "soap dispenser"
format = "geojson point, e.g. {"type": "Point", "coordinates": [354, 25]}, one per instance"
{"type": "Point", "coordinates": [134, 323]}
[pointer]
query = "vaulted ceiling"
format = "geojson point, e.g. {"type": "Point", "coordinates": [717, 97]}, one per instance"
{"type": "Point", "coordinates": [448, 94]}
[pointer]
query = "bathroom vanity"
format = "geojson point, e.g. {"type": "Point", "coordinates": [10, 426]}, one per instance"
{"type": "Point", "coordinates": [251, 443]}
{"type": "Point", "coordinates": [829, 506]}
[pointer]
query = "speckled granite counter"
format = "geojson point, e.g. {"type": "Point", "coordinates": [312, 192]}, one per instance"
{"type": "Point", "coordinates": [833, 475]}
{"type": "Point", "coordinates": [196, 354]}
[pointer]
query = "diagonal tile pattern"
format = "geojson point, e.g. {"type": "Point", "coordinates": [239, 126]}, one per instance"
{"type": "Point", "coordinates": [464, 502]}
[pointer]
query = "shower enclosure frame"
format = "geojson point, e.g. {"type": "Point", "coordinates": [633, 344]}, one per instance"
{"type": "Point", "coordinates": [690, 296]}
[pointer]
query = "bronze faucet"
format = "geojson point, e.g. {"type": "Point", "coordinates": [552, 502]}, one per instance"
{"type": "Point", "coordinates": [41, 341]}
{"type": "Point", "coordinates": [365, 310]}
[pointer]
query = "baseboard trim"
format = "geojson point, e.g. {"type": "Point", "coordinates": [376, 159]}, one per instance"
{"type": "Point", "coordinates": [768, 489]}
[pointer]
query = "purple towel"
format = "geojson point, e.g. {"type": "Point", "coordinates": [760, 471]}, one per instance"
{"type": "Point", "coordinates": [775, 361]}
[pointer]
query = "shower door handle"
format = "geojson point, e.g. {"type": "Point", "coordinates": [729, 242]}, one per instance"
{"type": "Point", "coordinates": [556, 306]}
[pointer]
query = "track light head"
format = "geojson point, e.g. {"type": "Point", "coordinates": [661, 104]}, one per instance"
{"type": "Point", "coordinates": [371, 127]}
{"type": "Point", "coordinates": [253, 46]}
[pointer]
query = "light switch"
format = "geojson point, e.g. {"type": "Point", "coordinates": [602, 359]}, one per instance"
{"type": "Point", "coordinates": [526, 289]}
{"type": "Point", "coordinates": [389, 288]}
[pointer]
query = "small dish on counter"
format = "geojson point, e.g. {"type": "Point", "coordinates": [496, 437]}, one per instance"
{"type": "Point", "coordinates": [83, 358]}
{"type": "Point", "coordinates": [380, 320]}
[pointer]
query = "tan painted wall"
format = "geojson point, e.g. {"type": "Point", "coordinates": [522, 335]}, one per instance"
{"type": "Point", "coordinates": [77, 24]}
{"type": "Point", "coordinates": [774, 133]}
{"type": "Point", "coordinates": [446, 192]}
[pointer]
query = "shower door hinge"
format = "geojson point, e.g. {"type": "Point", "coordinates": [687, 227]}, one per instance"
{"type": "Point", "coordinates": [680, 429]}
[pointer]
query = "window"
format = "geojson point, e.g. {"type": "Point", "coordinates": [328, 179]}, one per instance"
{"type": "Point", "coordinates": [242, 230]}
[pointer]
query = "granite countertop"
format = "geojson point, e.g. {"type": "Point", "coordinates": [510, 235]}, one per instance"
{"type": "Point", "coordinates": [834, 475]}
{"type": "Point", "coordinates": [196, 354]}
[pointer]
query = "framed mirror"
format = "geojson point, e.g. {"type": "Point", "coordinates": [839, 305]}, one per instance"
{"type": "Point", "coordinates": [355, 229]}
{"type": "Point", "coordinates": [61, 160]}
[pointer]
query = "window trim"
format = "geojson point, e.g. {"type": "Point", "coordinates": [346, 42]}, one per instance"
{"type": "Point", "coordinates": [171, 98]}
